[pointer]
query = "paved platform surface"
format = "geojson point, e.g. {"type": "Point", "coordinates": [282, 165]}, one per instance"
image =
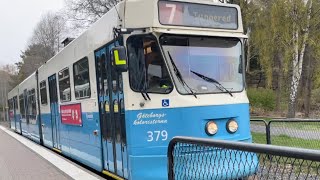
{"type": "Point", "coordinates": [18, 162]}
{"type": "Point", "coordinates": [22, 159]}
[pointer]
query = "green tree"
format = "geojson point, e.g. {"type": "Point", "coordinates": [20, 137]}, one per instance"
{"type": "Point", "coordinates": [32, 58]}
{"type": "Point", "coordinates": [301, 16]}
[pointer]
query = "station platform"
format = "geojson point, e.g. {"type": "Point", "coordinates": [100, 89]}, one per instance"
{"type": "Point", "coordinates": [22, 159]}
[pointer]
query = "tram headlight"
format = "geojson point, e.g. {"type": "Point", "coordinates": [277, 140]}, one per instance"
{"type": "Point", "coordinates": [232, 126]}
{"type": "Point", "coordinates": [211, 128]}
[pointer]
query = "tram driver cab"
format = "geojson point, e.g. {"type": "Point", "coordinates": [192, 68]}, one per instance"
{"type": "Point", "coordinates": [147, 68]}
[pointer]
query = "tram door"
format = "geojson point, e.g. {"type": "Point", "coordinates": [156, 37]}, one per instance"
{"type": "Point", "coordinates": [54, 111]}
{"type": "Point", "coordinates": [109, 84]}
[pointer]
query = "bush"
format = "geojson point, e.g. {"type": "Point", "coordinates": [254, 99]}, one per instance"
{"type": "Point", "coordinates": [315, 99]}
{"type": "Point", "coordinates": [262, 98]}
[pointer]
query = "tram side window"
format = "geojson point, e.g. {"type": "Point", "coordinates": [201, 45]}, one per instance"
{"type": "Point", "coordinates": [81, 79]}
{"type": "Point", "coordinates": [32, 107]}
{"type": "Point", "coordinates": [64, 85]}
{"type": "Point", "coordinates": [147, 69]}
{"type": "Point", "coordinates": [21, 105]}
{"type": "Point", "coordinates": [43, 93]}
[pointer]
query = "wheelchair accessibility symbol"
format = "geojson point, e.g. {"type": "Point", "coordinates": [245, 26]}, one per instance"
{"type": "Point", "coordinates": [165, 103]}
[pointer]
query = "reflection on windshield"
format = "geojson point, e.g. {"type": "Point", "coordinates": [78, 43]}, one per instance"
{"type": "Point", "coordinates": [216, 58]}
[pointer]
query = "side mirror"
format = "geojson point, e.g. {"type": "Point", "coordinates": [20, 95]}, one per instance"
{"type": "Point", "coordinates": [119, 59]}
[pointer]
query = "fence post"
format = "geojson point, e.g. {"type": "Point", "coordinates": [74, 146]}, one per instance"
{"type": "Point", "coordinates": [268, 134]}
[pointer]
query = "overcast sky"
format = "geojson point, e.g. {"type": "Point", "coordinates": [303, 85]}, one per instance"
{"type": "Point", "coordinates": [17, 21]}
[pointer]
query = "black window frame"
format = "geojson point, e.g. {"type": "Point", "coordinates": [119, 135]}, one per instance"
{"type": "Point", "coordinates": [74, 78]}
{"type": "Point", "coordinates": [43, 97]}
{"type": "Point", "coordinates": [61, 79]}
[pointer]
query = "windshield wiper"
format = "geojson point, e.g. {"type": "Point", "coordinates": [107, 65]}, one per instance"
{"type": "Point", "coordinates": [178, 74]}
{"type": "Point", "coordinates": [144, 92]}
{"type": "Point", "coordinates": [145, 95]}
{"type": "Point", "coordinates": [213, 81]}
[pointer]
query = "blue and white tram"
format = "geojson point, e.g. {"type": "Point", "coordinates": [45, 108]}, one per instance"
{"type": "Point", "coordinates": [147, 71]}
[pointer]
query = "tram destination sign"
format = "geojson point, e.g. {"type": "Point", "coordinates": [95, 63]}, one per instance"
{"type": "Point", "coordinates": [197, 15]}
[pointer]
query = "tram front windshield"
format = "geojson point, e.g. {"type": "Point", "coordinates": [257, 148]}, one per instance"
{"type": "Point", "coordinates": [204, 64]}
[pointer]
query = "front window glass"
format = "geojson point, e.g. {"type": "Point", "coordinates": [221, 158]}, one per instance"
{"type": "Point", "coordinates": [201, 60]}
{"type": "Point", "coordinates": [148, 72]}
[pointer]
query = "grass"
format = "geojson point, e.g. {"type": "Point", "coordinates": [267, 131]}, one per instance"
{"type": "Point", "coordinates": [284, 140]}
{"type": "Point", "coordinates": [259, 138]}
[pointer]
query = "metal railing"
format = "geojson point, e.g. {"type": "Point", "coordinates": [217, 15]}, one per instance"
{"type": "Point", "coordinates": [202, 159]}
{"type": "Point", "coordinates": [303, 133]}
{"type": "Point", "coordinates": [260, 126]}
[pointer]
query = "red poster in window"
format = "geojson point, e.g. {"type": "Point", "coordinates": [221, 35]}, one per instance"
{"type": "Point", "coordinates": [71, 114]}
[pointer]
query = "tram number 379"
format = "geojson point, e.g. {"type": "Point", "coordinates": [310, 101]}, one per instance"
{"type": "Point", "coordinates": [157, 135]}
